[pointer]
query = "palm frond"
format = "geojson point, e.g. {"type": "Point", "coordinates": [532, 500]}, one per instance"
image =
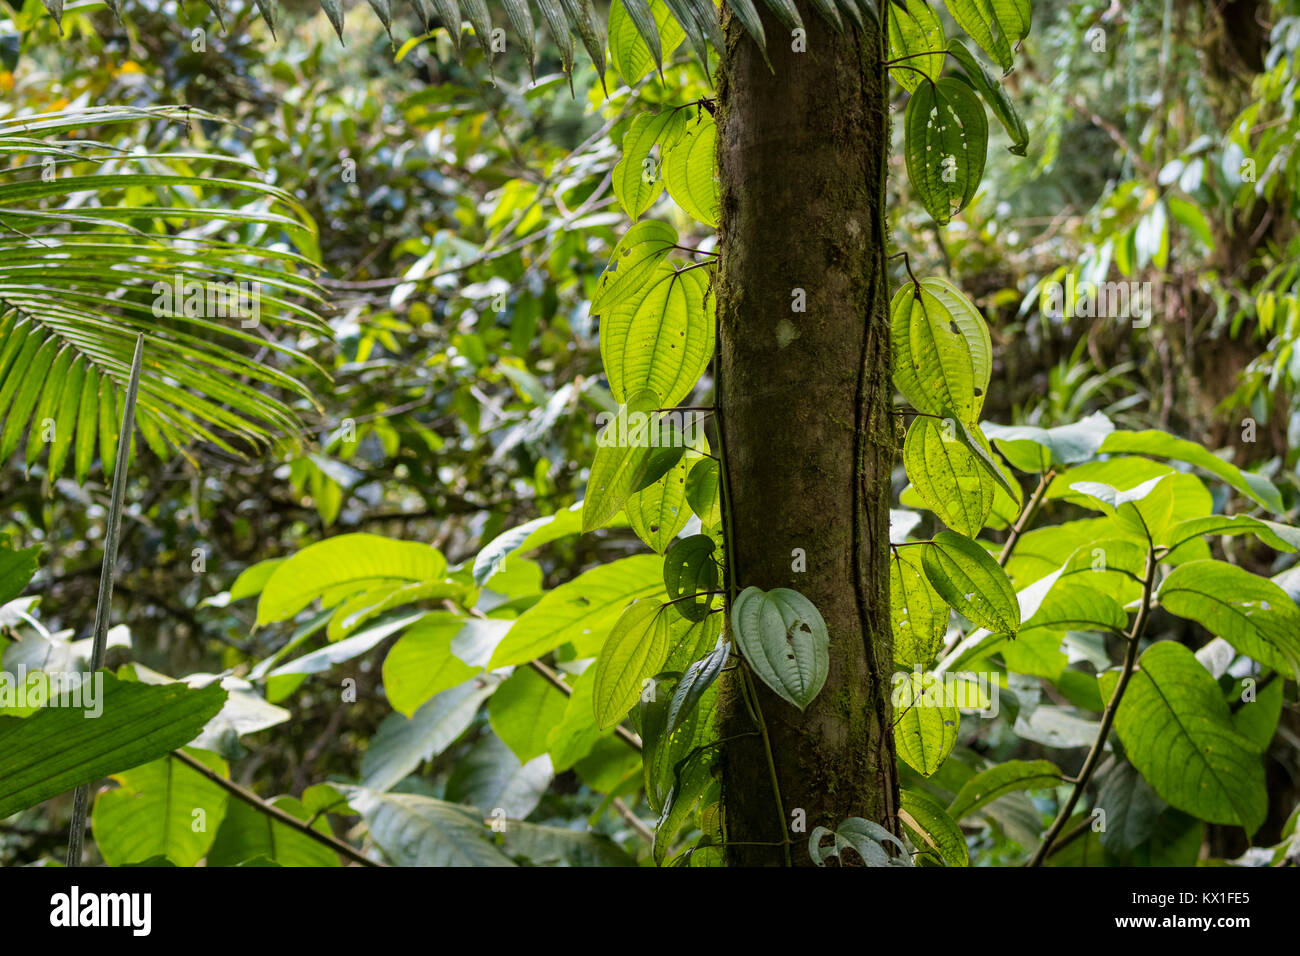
{"type": "Point", "coordinates": [567, 20]}
{"type": "Point", "coordinates": [98, 245]}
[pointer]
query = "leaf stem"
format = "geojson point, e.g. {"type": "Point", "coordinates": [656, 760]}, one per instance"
{"type": "Point", "coordinates": [104, 605]}
{"type": "Point", "coordinates": [257, 803]}
{"type": "Point", "coordinates": [751, 691]}
{"type": "Point", "coordinates": [1027, 515]}
{"type": "Point", "coordinates": [1108, 718]}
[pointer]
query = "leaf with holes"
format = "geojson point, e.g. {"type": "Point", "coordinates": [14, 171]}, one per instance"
{"type": "Point", "coordinates": [784, 641]}
{"type": "Point", "coordinates": [945, 142]}
{"type": "Point", "coordinates": [971, 582]}
{"type": "Point", "coordinates": [633, 263]}
{"type": "Point", "coordinates": [691, 575]}
{"type": "Point", "coordinates": [917, 614]}
{"type": "Point", "coordinates": [926, 726]}
{"type": "Point", "coordinates": [947, 476]}
{"type": "Point", "coordinates": [943, 355]}
{"type": "Point", "coordinates": [638, 176]}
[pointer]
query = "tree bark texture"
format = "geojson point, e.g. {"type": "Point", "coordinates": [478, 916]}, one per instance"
{"type": "Point", "coordinates": [805, 413]}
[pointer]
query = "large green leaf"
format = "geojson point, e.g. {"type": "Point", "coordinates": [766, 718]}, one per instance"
{"type": "Point", "coordinates": [1278, 536]}
{"type": "Point", "coordinates": [658, 512]}
{"type": "Point", "coordinates": [635, 650]}
{"type": "Point", "coordinates": [996, 25]}
{"type": "Point", "coordinates": [558, 846]}
{"type": "Point", "coordinates": [247, 834]}
{"type": "Point", "coordinates": [639, 176]}
{"type": "Point", "coordinates": [986, 786]}
{"type": "Point", "coordinates": [1034, 449]}
{"type": "Point", "coordinates": [573, 737]}
{"type": "Point", "coordinates": [918, 616]}
{"type": "Point", "coordinates": [947, 475]}
{"type": "Point", "coordinates": [691, 576]}
{"type": "Point", "coordinates": [945, 144]}
{"type": "Point", "coordinates": [925, 725]}
{"type": "Point", "coordinates": [416, 830]}
{"type": "Point", "coordinates": [17, 567]}
{"type": "Point", "coordinates": [633, 263]}
{"type": "Point", "coordinates": [581, 611]}
{"type": "Point", "coordinates": [524, 538]}
{"type": "Point", "coordinates": [523, 710]}
{"type": "Point", "coordinates": [994, 95]}
{"type": "Point", "coordinates": [943, 356]}
{"type": "Point", "coordinates": [1144, 510]}
{"type": "Point", "coordinates": [1176, 729]}
{"type": "Point", "coordinates": [691, 170]}
{"type": "Point", "coordinates": [932, 827]}
{"type": "Point", "coordinates": [1163, 445]}
{"type": "Point", "coordinates": [402, 743]}
{"type": "Point", "coordinates": [640, 36]}
{"type": "Point", "coordinates": [1251, 613]}
{"type": "Point", "coordinates": [493, 779]}
{"type": "Point", "coordinates": [661, 340]}
{"type": "Point", "coordinates": [340, 567]}
{"type": "Point", "coordinates": [784, 641]}
{"type": "Point", "coordinates": [633, 450]}
{"type": "Point", "coordinates": [422, 662]}
{"type": "Point", "coordinates": [57, 749]}
{"type": "Point", "coordinates": [971, 582]}
{"type": "Point", "coordinates": [161, 809]}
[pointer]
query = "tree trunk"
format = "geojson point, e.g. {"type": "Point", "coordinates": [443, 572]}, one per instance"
{"type": "Point", "coordinates": [804, 399]}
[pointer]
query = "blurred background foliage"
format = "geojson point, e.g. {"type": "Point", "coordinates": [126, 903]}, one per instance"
{"type": "Point", "coordinates": [462, 225]}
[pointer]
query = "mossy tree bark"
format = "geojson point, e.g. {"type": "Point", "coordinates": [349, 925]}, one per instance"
{"type": "Point", "coordinates": [804, 399]}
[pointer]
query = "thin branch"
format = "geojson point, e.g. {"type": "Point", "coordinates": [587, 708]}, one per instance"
{"type": "Point", "coordinates": [104, 607]}
{"type": "Point", "coordinates": [1027, 516]}
{"type": "Point", "coordinates": [257, 803]}
{"type": "Point", "coordinates": [1107, 719]}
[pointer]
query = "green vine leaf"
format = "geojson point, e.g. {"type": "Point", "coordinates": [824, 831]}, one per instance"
{"type": "Point", "coordinates": [633, 263]}
{"type": "Point", "coordinates": [917, 614]}
{"type": "Point", "coordinates": [945, 144]}
{"type": "Point", "coordinates": [784, 641]}
{"type": "Point", "coordinates": [691, 572]}
{"type": "Point", "coordinates": [986, 786]}
{"type": "Point", "coordinates": [994, 95]}
{"type": "Point", "coordinates": [943, 355]}
{"type": "Point", "coordinates": [914, 28]}
{"type": "Point", "coordinates": [580, 611]}
{"type": "Point", "coordinates": [634, 651]}
{"type": "Point", "coordinates": [658, 512]}
{"type": "Point", "coordinates": [660, 341]}
{"type": "Point", "coordinates": [931, 828]}
{"type": "Point", "coordinates": [995, 25]}
{"type": "Point", "coordinates": [926, 727]}
{"type": "Point", "coordinates": [691, 170]}
{"type": "Point", "coordinates": [638, 177]}
{"type": "Point", "coordinates": [971, 582]}
{"type": "Point", "coordinates": [947, 476]}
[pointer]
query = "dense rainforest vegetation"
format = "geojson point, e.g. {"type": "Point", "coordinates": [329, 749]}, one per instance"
{"type": "Point", "coordinates": [649, 432]}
